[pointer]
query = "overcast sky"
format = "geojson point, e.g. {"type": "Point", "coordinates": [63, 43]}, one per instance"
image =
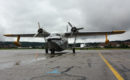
{"type": "Point", "coordinates": [21, 16]}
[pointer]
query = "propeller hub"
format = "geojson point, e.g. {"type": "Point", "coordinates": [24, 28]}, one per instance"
{"type": "Point", "coordinates": [40, 30]}
{"type": "Point", "coordinates": [74, 29]}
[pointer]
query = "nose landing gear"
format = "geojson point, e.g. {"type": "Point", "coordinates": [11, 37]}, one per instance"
{"type": "Point", "coordinates": [46, 50]}
{"type": "Point", "coordinates": [52, 51]}
{"type": "Point", "coordinates": [73, 50]}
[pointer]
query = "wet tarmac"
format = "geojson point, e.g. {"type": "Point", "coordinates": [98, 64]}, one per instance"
{"type": "Point", "coordinates": [28, 64]}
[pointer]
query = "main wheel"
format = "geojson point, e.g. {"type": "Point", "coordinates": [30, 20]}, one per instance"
{"type": "Point", "coordinates": [52, 51]}
{"type": "Point", "coordinates": [73, 50]}
{"type": "Point", "coordinates": [46, 50]}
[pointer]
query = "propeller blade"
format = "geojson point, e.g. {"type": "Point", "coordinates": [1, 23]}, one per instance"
{"type": "Point", "coordinates": [80, 28]}
{"type": "Point", "coordinates": [71, 34]}
{"type": "Point", "coordinates": [66, 28]}
{"type": "Point", "coordinates": [70, 24]}
{"type": "Point", "coordinates": [35, 35]}
{"type": "Point", "coordinates": [39, 25]}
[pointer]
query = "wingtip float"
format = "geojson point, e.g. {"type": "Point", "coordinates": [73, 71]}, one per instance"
{"type": "Point", "coordinates": [119, 31]}
{"type": "Point", "coordinates": [7, 35]}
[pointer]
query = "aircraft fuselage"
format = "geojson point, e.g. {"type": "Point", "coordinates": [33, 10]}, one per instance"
{"type": "Point", "coordinates": [57, 42]}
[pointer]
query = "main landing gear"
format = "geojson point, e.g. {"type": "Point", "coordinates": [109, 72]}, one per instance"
{"type": "Point", "coordinates": [46, 50]}
{"type": "Point", "coordinates": [52, 51]}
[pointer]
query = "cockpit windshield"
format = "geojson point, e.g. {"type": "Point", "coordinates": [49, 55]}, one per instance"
{"type": "Point", "coordinates": [54, 37]}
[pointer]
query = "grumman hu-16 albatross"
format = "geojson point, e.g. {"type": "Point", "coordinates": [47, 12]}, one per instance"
{"type": "Point", "coordinates": [59, 42]}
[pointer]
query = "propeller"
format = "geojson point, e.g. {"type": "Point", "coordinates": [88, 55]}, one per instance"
{"type": "Point", "coordinates": [74, 31]}
{"type": "Point", "coordinates": [40, 30]}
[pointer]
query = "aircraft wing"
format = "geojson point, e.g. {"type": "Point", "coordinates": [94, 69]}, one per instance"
{"type": "Point", "coordinates": [93, 33]}
{"type": "Point", "coordinates": [25, 35]}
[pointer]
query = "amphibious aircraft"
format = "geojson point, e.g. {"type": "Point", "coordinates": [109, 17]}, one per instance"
{"type": "Point", "coordinates": [59, 42]}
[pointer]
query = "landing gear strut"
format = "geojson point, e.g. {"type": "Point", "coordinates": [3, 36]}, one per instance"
{"type": "Point", "coordinates": [74, 50]}
{"type": "Point", "coordinates": [52, 51]}
{"type": "Point", "coordinates": [46, 50]}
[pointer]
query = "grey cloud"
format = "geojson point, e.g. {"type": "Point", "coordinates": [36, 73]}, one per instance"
{"type": "Point", "coordinates": [107, 15]}
{"type": "Point", "coordinates": [21, 16]}
{"type": "Point", "coordinates": [1, 33]}
{"type": "Point", "coordinates": [96, 15]}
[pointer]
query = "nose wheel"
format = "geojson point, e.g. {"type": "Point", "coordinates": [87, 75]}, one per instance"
{"type": "Point", "coordinates": [46, 50]}
{"type": "Point", "coordinates": [73, 50]}
{"type": "Point", "coordinates": [52, 51]}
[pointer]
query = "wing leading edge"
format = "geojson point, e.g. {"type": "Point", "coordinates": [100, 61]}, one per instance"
{"type": "Point", "coordinates": [94, 33]}
{"type": "Point", "coordinates": [25, 35]}
{"type": "Point", "coordinates": [69, 34]}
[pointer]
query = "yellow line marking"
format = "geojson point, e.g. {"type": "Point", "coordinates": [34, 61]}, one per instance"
{"type": "Point", "coordinates": [117, 75]}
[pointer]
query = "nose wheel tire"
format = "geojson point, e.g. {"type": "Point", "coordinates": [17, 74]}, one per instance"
{"type": "Point", "coordinates": [74, 50]}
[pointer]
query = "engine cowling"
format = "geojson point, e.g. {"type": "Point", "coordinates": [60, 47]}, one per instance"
{"type": "Point", "coordinates": [40, 30]}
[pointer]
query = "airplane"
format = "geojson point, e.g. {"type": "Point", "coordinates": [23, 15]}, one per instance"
{"type": "Point", "coordinates": [59, 42]}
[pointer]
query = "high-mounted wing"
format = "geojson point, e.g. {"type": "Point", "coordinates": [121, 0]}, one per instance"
{"type": "Point", "coordinates": [94, 33]}
{"type": "Point", "coordinates": [17, 43]}
{"type": "Point", "coordinates": [40, 33]}
{"type": "Point", "coordinates": [26, 35]}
